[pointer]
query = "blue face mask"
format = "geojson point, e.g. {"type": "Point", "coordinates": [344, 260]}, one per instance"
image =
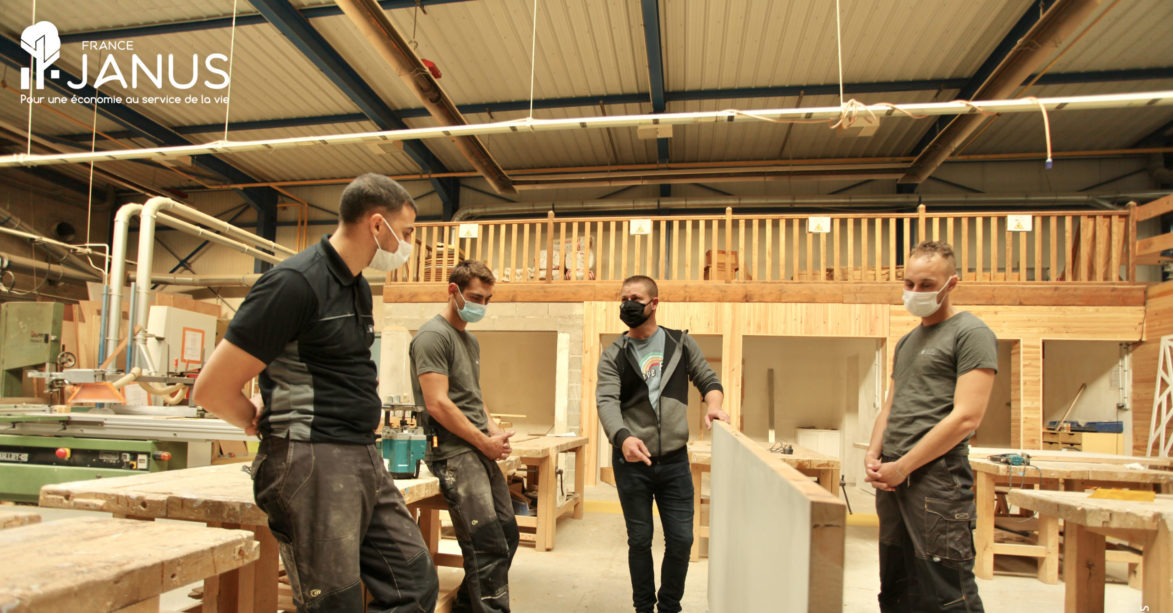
{"type": "Point", "coordinates": [471, 312]}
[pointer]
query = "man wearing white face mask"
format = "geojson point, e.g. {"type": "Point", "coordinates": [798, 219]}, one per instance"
{"type": "Point", "coordinates": [464, 441]}
{"type": "Point", "coordinates": [306, 329]}
{"type": "Point", "coordinates": [918, 462]}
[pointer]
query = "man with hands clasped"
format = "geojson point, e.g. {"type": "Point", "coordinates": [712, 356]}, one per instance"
{"type": "Point", "coordinates": [942, 375]}
{"type": "Point", "coordinates": [464, 443]}
{"type": "Point", "coordinates": [642, 397]}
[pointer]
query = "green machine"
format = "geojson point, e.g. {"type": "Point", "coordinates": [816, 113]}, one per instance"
{"type": "Point", "coordinates": [403, 444]}
{"type": "Point", "coordinates": [30, 337]}
{"type": "Point", "coordinates": [29, 462]}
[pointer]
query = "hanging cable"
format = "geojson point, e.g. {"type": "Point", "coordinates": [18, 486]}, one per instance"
{"type": "Point", "coordinates": [839, 46]}
{"type": "Point", "coordinates": [533, 55]}
{"type": "Point", "coordinates": [1046, 129]}
{"type": "Point", "coordinates": [231, 53]}
{"type": "Point", "coordinates": [32, 82]}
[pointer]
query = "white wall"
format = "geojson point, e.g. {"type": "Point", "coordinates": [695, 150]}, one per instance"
{"type": "Point", "coordinates": [1069, 364]}
{"type": "Point", "coordinates": [818, 382]}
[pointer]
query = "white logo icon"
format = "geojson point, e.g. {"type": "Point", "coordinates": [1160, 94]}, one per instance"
{"type": "Point", "coordinates": [44, 45]}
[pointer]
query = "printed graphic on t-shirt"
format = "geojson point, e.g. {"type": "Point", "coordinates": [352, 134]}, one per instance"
{"type": "Point", "coordinates": [650, 367]}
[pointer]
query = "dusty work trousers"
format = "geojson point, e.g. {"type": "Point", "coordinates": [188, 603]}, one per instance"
{"type": "Point", "coordinates": [669, 482]}
{"type": "Point", "coordinates": [482, 517]}
{"type": "Point", "coordinates": [338, 518]}
{"type": "Point", "coordinates": [926, 540]}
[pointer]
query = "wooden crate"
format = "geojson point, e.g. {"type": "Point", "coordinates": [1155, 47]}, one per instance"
{"type": "Point", "coordinates": [1096, 442]}
{"type": "Point", "coordinates": [721, 258]}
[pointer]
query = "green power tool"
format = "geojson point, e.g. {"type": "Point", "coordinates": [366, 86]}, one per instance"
{"type": "Point", "coordinates": [403, 442]}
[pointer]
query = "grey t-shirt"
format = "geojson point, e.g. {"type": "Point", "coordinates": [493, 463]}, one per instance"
{"type": "Point", "coordinates": [649, 354]}
{"type": "Point", "coordinates": [440, 348]}
{"type": "Point", "coordinates": [928, 362]}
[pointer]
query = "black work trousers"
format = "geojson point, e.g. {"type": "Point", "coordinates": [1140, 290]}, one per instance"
{"type": "Point", "coordinates": [926, 540]}
{"type": "Point", "coordinates": [338, 518]}
{"type": "Point", "coordinates": [482, 517]}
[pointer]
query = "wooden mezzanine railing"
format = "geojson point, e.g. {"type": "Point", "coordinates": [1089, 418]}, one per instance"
{"type": "Point", "coordinates": [1031, 247]}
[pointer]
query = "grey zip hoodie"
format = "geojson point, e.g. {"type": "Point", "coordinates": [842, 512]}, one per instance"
{"type": "Point", "coordinates": [622, 395]}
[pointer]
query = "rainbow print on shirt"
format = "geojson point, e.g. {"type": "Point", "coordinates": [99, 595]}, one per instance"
{"type": "Point", "coordinates": [650, 366]}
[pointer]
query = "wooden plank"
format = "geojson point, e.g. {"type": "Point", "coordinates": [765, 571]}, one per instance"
{"type": "Point", "coordinates": [572, 253]}
{"type": "Point", "coordinates": [106, 564]}
{"type": "Point", "coordinates": [920, 227]}
{"type": "Point", "coordinates": [995, 248]}
{"type": "Point", "coordinates": [809, 271]}
{"type": "Point", "coordinates": [549, 247]}
{"type": "Point", "coordinates": [1087, 238]}
{"type": "Point", "coordinates": [757, 260]}
{"type": "Point", "coordinates": [1022, 260]}
{"type": "Point", "coordinates": [1154, 208]}
{"type": "Point", "coordinates": [965, 249]}
{"type": "Point", "coordinates": [648, 266]}
{"type": "Point", "coordinates": [675, 250]}
{"type": "Point", "coordinates": [1102, 246]}
{"type": "Point", "coordinates": [1083, 570]}
{"type": "Point", "coordinates": [821, 271]}
{"type": "Point", "coordinates": [864, 268]}
{"type": "Point", "coordinates": [663, 254]}
{"type": "Point", "coordinates": [1069, 272]}
{"type": "Point", "coordinates": [936, 228]}
{"type": "Point", "coordinates": [907, 239]}
{"type": "Point", "coordinates": [728, 236]}
{"type": "Point", "coordinates": [13, 517]}
{"type": "Point", "coordinates": [688, 250]}
{"type": "Point", "coordinates": [1037, 231]}
{"type": "Point", "coordinates": [770, 250]}
{"type": "Point", "coordinates": [611, 254]}
{"type": "Point", "coordinates": [1116, 248]}
{"type": "Point", "coordinates": [980, 246]}
{"type": "Point", "coordinates": [835, 248]}
{"type": "Point", "coordinates": [794, 251]}
{"type": "Point", "coordinates": [626, 231]}
{"type": "Point", "coordinates": [879, 247]}
{"type": "Point", "coordinates": [1131, 242]}
{"type": "Point", "coordinates": [1053, 255]}
{"type": "Point", "coordinates": [1156, 244]}
{"type": "Point", "coordinates": [744, 262]}
{"type": "Point", "coordinates": [892, 247]}
{"type": "Point", "coordinates": [635, 253]}
{"type": "Point", "coordinates": [183, 302]}
{"type": "Point", "coordinates": [559, 275]}
{"type": "Point", "coordinates": [851, 243]}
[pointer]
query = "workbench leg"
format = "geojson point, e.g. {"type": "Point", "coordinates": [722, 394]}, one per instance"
{"type": "Point", "coordinates": [696, 512]}
{"type": "Point", "coordinates": [547, 505]}
{"type": "Point", "coordinates": [1136, 571]}
{"type": "Point", "coordinates": [1157, 570]}
{"type": "Point", "coordinates": [150, 605]}
{"type": "Point", "coordinates": [234, 585]}
{"type": "Point", "coordinates": [579, 481]}
{"type": "Point", "coordinates": [266, 571]}
{"type": "Point", "coordinates": [829, 479]}
{"type": "Point", "coordinates": [430, 529]}
{"type": "Point", "coordinates": [1083, 570]}
{"type": "Point", "coordinates": [985, 501]}
{"type": "Point", "coordinates": [1049, 541]}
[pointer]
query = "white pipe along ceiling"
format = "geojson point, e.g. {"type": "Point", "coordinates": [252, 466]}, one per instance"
{"type": "Point", "coordinates": [829, 113]}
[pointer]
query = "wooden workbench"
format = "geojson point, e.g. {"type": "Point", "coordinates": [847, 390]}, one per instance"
{"type": "Point", "coordinates": [541, 455]}
{"type": "Point", "coordinates": [1086, 522]}
{"type": "Point", "coordinates": [106, 564]}
{"type": "Point", "coordinates": [824, 468]}
{"type": "Point", "coordinates": [220, 496]}
{"type": "Point", "coordinates": [13, 517]}
{"type": "Point", "coordinates": [1046, 475]}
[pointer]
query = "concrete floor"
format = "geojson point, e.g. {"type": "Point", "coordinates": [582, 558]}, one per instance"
{"type": "Point", "coordinates": [587, 570]}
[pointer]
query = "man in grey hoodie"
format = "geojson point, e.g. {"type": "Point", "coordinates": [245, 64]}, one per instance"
{"type": "Point", "coordinates": [642, 397]}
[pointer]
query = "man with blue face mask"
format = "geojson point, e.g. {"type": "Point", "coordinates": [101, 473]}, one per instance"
{"type": "Point", "coordinates": [918, 461]}
{"type": "Point", "coordinates": [464, 443]}
{"type": "Point", "coordinates": [306, 329]}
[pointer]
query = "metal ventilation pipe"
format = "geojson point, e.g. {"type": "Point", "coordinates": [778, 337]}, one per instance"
{"type": "Point", "coordinates": [757, 202]}
{"type": "Point", "coordinates": [62, 252]}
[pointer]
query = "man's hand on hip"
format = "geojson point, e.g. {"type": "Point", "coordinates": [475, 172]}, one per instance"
{"type": "Point", "coordinates": [634, 450]}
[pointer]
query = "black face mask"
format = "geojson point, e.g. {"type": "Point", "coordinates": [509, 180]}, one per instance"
{"type": "Point", "coordinates": [632, 313]}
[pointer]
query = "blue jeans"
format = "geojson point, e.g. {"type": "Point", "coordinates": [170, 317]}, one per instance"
{"type": "Point", "coordinates": [670, 484]}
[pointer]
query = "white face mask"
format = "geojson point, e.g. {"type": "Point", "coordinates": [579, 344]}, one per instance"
{"type": "Point", "coordinates": [387, 261]}
{"type": "Point", "coordinates": [924, 304]}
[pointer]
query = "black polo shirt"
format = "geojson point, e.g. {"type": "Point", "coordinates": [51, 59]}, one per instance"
{"type": "Point", "coordinates": [309, 320]}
